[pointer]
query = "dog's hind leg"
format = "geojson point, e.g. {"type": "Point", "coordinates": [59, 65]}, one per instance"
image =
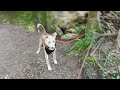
{"type": "Point", "coordinates": [47, 61]}
{"type": "Point", "coordinates": [40, 45]}
{"type": "Point", "coordinates": [54, 57]}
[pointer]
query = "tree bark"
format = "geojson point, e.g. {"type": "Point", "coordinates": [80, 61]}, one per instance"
{"type": "Point", "coordinates": [92, 23]}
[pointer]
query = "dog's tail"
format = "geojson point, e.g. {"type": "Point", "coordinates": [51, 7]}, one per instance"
{"type": "Point", "coordinates": [40, 25]}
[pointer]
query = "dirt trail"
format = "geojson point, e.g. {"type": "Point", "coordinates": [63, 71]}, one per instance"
{"type": "Point", "coordinates": [18, 59]}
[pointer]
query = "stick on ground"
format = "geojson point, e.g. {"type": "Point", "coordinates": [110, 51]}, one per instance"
{"type": "Point", "coordinates": [79, 75]}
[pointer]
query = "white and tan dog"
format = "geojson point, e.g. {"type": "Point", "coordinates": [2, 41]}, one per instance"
{"type": "Point", "coordinates": [48, 43]}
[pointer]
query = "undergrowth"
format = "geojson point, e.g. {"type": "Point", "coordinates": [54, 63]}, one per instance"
{"type": "Point", "coordinates": [81, 45]}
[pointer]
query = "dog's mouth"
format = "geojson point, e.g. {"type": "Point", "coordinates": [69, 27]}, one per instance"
{"type": "Point", "coordinates": [50, 48]}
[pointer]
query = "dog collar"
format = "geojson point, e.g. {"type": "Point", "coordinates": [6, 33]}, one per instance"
{"type": "Point", "coordinates": [47, 47]}
{"type": "Point", "coordinates": [48, 51]}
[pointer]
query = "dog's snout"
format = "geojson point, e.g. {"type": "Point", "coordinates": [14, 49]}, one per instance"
{"type": "Point", "coordinates": [53, 47]}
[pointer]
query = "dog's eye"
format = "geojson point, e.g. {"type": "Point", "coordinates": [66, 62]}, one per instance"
{"type": "Point", "coordinates": [53, 41]}
{"type": "Point", "coordinates": [49, 42]}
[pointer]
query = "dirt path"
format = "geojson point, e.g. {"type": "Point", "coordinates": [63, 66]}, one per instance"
{"type": "Point", "coordinates": [19, 60]}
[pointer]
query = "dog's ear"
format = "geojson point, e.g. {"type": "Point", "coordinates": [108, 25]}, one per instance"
{"type": "Point", "coordinates": [54, 34]}
{"type": "Point", "coordinates": [46, 36]}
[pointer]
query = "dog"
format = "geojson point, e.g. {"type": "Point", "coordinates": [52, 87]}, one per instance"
{"type": "Point", "coordinates": [48, 42]}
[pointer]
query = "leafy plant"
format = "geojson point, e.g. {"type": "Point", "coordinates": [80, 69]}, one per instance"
{"type": "Point", "coordinates": [82, 44]}
{"type": "Point", "coordinates": [80, 29]}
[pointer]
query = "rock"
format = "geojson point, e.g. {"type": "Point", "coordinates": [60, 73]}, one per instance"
{"type": "Point", "coordinates": [69, 36]}
{"type": "Point", "coordinates": [68, 19]}
{"type": "Point", "coordinates": [65, 17]}
{"type": "Point", "coordinates": [71, 30]}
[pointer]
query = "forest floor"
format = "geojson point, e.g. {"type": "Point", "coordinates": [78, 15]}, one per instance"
{"type": "Point", "coordinates": [104, 60]}
{"type": "Point", "coordinates": [18, 58]}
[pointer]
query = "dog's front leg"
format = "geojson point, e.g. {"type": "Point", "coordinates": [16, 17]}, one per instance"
{"type": "Point", "coordinates": [38, 51]}
{"type": "Point", "coordinates": [40, 45]}
{"type": "Point", "coordinates": [47, 60]}
{"type": "Point", "coordinates": [54, 57]}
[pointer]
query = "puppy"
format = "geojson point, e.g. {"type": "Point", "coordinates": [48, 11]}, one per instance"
{"type": "Point", "coordinates": [48, 43]}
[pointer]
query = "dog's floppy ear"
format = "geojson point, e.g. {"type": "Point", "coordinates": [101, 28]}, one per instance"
{"type": "Point", "coordinates": [54, 34]}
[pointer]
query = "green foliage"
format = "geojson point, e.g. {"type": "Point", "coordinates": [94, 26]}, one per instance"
{"type": "Point", "coordinates": [92, 60]}
{"type": "Point", "coordinates": [27, 19]}
{"type": "Point", "coordinates": [111, 76]}
{"type": "Point", "coordinates": [80, 29]}
{"type": "Point", "coordinates": [82, 44]}
{"type": "Point", "coordinates": [50, 25]}
{"type": "Point", "coordinates": [19, 18]}
{"type": "Point", "coordinates": [43, 19]}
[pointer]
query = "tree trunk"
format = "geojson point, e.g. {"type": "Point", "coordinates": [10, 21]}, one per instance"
{"type": "Point", "coordinates": [43, 18]}
{"type": "Point", "coordinates": [35, 16]}
{"type": "Point", "coordinates": [92, 23]}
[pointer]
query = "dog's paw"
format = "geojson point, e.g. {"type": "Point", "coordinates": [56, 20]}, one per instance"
{"type": "Point", "coordinates": [49, 68]}
{"type": "Point", "coordinates": [55, 62]}
{"type": "Point", "coordinates": [37, 52]}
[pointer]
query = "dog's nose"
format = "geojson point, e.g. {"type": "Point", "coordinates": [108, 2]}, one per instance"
{"type": "Point", "coordinates": [53, 47]}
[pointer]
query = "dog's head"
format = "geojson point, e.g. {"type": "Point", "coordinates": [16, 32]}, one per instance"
{"type": "Point", "coordinates": [50, 41]}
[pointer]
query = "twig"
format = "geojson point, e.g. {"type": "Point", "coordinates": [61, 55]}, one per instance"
{"type": "Point", "coordinates": [108, 25]}
{"type": "Point", "coordinates": [106, 58]}
{"type": "Point", "coordinates": [96, 43]}
{"type": "Point", "coordinates": [79, 75]}
{"type": "Point", "coordinates": [97, 35]}
{"type": "Point", "coordinates": [111, 69]}
{"type": "Point", "coordinates": [100, 41]}
{"type": "Point", "coordinates": [99, 65]}
{"type": "Point", "coordinates": [117, 11]}
{"type": "Point", "coordinates": [108, 34]}
{"type": "Point", "coordinates": [114, 14]}
{"type": "Point", "coordinates": [99, 53]}
{"type": "Point", "coordinates": [101, 59]}
{"type": "Point", "coordinates": [113, 28]}
{"type": "Point", "coordinates": [104, 51]}
{"type": "Point", "coordinates": [106, 17]}
{"type": "Point", "coordinates": [104, 26]}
